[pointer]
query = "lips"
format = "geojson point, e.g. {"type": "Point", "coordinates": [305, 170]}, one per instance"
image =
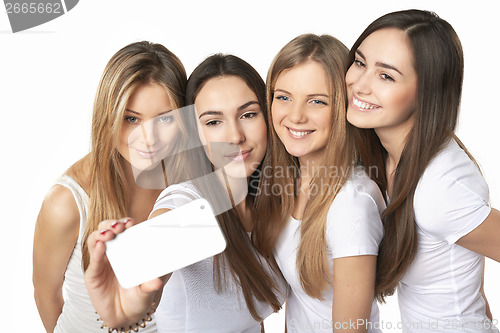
{"type": "Point", "coordinates": [146, 153]}
{"type": "Point", "coordinates": [239, 156]}
{"type": "Point", "coordinates": [362, 105]}
{"type": "Point", "coordinates": [298, 133]}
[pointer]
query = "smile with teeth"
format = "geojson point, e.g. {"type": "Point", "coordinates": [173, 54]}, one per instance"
{"type": "Point", "coordinates": [363, 105]}
{"type": "Point", "coordinates": [299, 134]}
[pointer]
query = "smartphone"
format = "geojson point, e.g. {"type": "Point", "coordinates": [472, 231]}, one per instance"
{"type": "Point", "coordinates": [165, 243]}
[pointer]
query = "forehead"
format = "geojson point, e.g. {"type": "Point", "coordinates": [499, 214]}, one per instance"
{"type": "Point", "coordinates": [149, 96]}
{"type": "Point", "coordinates": [308, 77]}
{"type": "Point", "coordinates": [224, 93]}
{"type": "Point", "coordinates": [388, 45]}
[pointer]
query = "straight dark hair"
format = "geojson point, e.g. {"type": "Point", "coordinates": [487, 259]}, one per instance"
{"type": "Point", "coordinates": [240, 255]}
{"type": "Point", "coordinates": [438, 62]}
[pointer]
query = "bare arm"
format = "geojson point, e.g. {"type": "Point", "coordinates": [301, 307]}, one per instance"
{"type": "Point", "coordinates": [56, 233]}
{"type": "Point", "coordinates": [117, 306]}
{"type": "Point", "coordinates": [485, 239]}
{"type": "Point", "coordinates": [353, 293]}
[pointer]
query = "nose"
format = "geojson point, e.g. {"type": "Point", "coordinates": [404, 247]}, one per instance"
{"type": "Point", "coordinates": [359, 81]}
{"type": "Point", "coordinates": [149, 133]}
{"type": "Point", "coordinates": [235, 133]}
{"type": "Point", "coordinates": [297, 113]}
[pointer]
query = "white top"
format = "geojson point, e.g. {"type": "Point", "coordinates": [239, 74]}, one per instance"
{"type": "Point", "coordinates": [440, 291]}
{"type": "Point", "coordinates": [353, 228]}
{"type": "Point", "coordinates": [78, 314]}
{"type": "Point", "coordinates": [190, 302]}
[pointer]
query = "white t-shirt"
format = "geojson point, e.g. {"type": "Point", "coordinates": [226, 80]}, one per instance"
{"type": "Point", "coordinates": [353, 228]}
{"type": "Point", "coordinates": [440, 291]}
{"type": "Point", "coordinates": [190, 302]}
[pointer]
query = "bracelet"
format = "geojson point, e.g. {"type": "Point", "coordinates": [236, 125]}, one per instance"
{"type": "Point", "coordinates": [138, 325]}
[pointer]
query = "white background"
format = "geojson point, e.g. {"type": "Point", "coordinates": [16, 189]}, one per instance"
{"type": "Point", "coordinates": [49, 75]}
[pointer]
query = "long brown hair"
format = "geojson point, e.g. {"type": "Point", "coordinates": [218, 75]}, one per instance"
{"type": "Point", "coordinates": [273, 210]}
{"type": "Point", "coordinates": [438, 62]}
{"type": "Point", "coordinates": [131, 67]}
{"type": "Point", "coordinates": [240, 253]}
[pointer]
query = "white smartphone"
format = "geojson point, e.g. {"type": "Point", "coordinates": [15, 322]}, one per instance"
{"type": "Point", "coordinates": [165, 243]}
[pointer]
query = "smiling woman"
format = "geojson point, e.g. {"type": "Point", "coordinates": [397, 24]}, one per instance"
{"type": "Point", "coordinates": [325, 232]}
{"type": "Point", "coordinates": [102, 184]}
{"type": "Point", "coordinates": [404, 86]}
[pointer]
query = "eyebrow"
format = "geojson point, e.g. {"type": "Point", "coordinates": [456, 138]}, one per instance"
{"type": "Point", "coordinates": [219, 113]}
{"type": "Point", "coordinates": [140, 114]}
{"type": "Point", "coordinates": [380, 64]}
{"type": "Point", "coordinates": [310, 95]}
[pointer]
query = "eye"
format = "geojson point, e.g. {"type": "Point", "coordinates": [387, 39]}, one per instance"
{"type": "Point", "coordinates": [166, 119]}
{"type": "Point", "coordinates": [249, 115]}
{"type": "Point", "coordinates": [318, 102]}
{"type": "Point", "coordinates": [212, 123]}
{"type": "Point", "coordinates": [386, 77]}
{"type": "Point", "coordinates": [359, 63]}
{"type": "Point", "coordinates": [282, 98]}
{"type": "Point", "coordinates": [132, 120]}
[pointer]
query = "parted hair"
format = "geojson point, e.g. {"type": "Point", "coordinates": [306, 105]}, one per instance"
{"type": "Point", "coordinates": [240, 255]}
{"type": "Point", "coordinates": [438, 62]}
{"type": "Point", "coordinates": [133, 66]}
{"type": "Point", "coordinates": [273, 211]}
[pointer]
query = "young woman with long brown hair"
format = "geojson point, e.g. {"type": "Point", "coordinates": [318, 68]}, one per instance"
{"type": "Point", "coordinates": [141, 87]}
{"type": "Point", "coordinates": [318, 212]}
{"type": "Point", "coordinates": [235, 290]}
{"type": "Point", "coordinates": [404, 86]}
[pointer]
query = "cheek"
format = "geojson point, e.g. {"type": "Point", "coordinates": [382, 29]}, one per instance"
{"type": "Point", "coordinates": [350, 78]}
{"type": "Point", "coordinates": [126, 134]}
{"type": "Point", "coordinates": [277, 115]}
{"type": "Point", "coordinates": [169, 134]}
{"type": "Point", "coordinates": [402, 103]}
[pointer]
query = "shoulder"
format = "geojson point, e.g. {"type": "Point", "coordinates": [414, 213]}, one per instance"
{"type": "Point", "coordinates": [452, 196]}
{"type": "Point", "coordinates": [451, 174]}
{"type": "Point", "coordinates": [357, 206]}
{"type": "Point", "coordinates": [359, 192]}
{"type": "Point", "coordinates": [59, 210]}
{"type": "Point", "coordinates": [176, 195]}
{"type": "Point", "coordinates": [354, 226]}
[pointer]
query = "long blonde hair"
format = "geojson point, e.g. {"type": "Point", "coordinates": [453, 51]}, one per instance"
{"type": "Point", "coordinates": [273, 211]}
{"type": "Point", "coordinates": [131, 67]}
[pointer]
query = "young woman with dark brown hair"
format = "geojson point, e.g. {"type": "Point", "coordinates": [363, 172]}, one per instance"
{"type": "Point", "coordinates": [404, 86]}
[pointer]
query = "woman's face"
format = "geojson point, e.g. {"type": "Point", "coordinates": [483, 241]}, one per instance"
{"type": "Point", "coordinates": [231, 125]}
{"type": "Point", "coordinates": [149, 128]}
{"type": "Point", "coordinates": [382, 84]}
{"type": "Point", "coordinates": [301, 110]}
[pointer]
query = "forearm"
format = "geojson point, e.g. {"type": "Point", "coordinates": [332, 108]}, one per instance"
{"type": "Point", "coordinates": [49, 308]}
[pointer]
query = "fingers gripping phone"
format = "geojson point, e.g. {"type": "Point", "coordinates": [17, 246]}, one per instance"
{"type": "Point", "coordinates": [165, 243]}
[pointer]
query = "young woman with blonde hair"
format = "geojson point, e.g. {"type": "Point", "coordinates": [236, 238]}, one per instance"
{"type": "Point", "coordinates": [318, 212]}
{"type": "Point", "coordinates": [134, 127]}
{"type": "Point", "coordinates": [404, 86]}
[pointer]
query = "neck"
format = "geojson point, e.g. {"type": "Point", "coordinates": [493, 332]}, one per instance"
{"type": "Point", "coordinates": [308, 167]}
{"type": "Point", "coordinates": [394, 142]}
{"type": "Point", "coordinates": [238, 193]}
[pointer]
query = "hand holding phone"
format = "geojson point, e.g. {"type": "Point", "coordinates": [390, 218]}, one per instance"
{"type": "Point", "coordinates": [165, 243]}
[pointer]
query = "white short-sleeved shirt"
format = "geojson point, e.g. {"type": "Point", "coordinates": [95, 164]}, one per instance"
{"type": "Point", "coordinates": [353, 228]}
{"type": "Point", "coordinates": [440, 291]}
{"type": "Point", "coordinates": [190, 302]}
